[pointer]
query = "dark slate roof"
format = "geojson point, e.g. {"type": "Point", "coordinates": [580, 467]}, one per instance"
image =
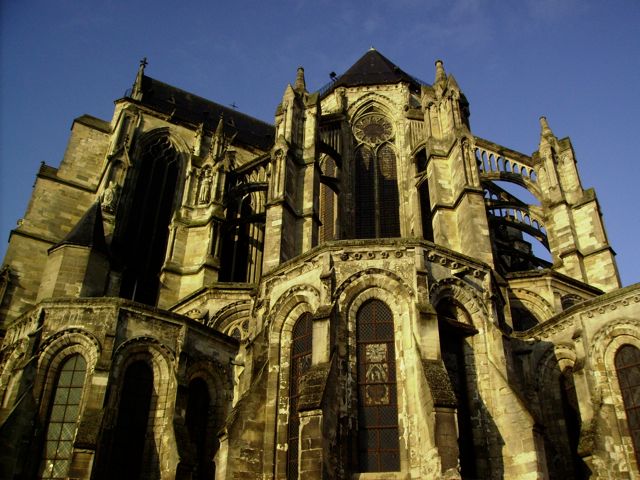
{"type": "Point", "coordinates": [191, 108]}
{"type": "Point", "coordinates": [372, 68]}
{"type": "Point", "coordinates": [88, 232]}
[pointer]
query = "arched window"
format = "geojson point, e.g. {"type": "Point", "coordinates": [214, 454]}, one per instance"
{"type": "Point", "coordinates": [301, 343]}
{"type": "Point", "coordinates": [144, 242]}
{"type": "Point", "coordinates": [376, 193]}
{"type": "Point", "coordinates": [198, 424]}
{"type": "Point", "coordinates": [63, 418]}
{"type": "Point", "coordinates": [131, 426]}
{"type": "Point", "coordinates": [378, 444]}
{"type": "Point", "coordinates": [627, 363]}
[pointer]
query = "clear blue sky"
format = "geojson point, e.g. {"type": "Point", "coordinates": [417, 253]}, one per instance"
{"type": "Point", "coordinates": [575, 61]}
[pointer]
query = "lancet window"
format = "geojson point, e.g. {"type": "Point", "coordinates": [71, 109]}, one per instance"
{"type": "Point", "coordinates": [301, 344]}
{"type": "Point", "coordinates": [627, 361]}
{"type": "Point", "coordinates": [63, 418]}
{"type": "Point", "coordinates": [147, 228]}
{"type": "Point", "coordinates": [378, 443]}
{"type": "Point", "coordinates": [328, 200]}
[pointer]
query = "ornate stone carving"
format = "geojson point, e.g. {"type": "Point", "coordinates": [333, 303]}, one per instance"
{"type": "Point", "coordinates": [109, 198]}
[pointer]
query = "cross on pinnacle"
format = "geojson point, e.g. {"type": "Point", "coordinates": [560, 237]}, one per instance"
{"type": "Point", "coordinates": [143, 62]}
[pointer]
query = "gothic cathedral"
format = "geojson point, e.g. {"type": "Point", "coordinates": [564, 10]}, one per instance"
{"type": "Point", "coordinates": [354, 292]}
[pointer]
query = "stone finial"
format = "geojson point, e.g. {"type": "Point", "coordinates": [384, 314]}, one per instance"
{"type": "Point", "coordinates": [441, 76]}
{"type": "Point", "coordinates": [544, 127]}
{"type": "Point", "coordinates": [136, 91]}
{"type": "Point", "coordinates": [300, 85]}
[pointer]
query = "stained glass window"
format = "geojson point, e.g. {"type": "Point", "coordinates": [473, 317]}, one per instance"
{"type": "Point", "coordinates": [301, 343]}
{"type": "Point", "coordinates": [628, 368]}
{"type": "Point", "coordinates": [63, 418]}
{"type": "Point", "coordinates": [378, 444]}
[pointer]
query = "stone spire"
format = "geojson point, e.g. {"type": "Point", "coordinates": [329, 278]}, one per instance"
{"type": "Point", "coordinates": [136, 91]}
{"type": "Point", "coordinates": [300, 85]}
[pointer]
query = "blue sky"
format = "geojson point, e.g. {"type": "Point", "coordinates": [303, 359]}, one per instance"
{"type": "Point", "coordinates": [575, 61]}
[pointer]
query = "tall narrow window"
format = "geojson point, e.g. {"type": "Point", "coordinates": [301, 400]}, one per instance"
{"type": "Point", "coordinates": [423, 195]}
{"type": "Point", "coordinates": [301, 343]}
{"type": "Point", "coordinates": [328, 200]}
{"type": "Point", "coordinates": [378, 444]}
{"type": "Point", "coordinates": [145, 238]}
{"type": "Point", "coordinates": [376, 189]}
{"type": "Point", "coordinates": [376, 179]}
{"type": "Point", "coordinates": [388, 199]}
{"type": "Point", "coordinates": [131, 425]}
{"type": "Point", "coordinates": [452, 345]}
{"type": "Point", "coordinates": [365, 194]}
{"type": "Point", "coordinates": [627, 362]}
{"type": "Point", "coordinates": [63, 418]}
{"type": "Point", "coordinates": [198, 424]}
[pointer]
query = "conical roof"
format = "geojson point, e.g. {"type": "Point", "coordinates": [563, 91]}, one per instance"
{"type": "Point", "coordinates": [88, 232]}
{"type": "Point", "coordinates": [372, 68]}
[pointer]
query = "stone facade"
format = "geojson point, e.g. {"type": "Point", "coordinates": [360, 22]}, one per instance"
{"type": "Point", "coordinates": [351, 292]}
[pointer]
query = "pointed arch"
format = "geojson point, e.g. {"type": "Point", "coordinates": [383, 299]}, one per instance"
{"type": "Point", "coordinates": [152, 196]}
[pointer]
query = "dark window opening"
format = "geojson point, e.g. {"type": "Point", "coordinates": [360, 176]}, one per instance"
{"type": "Point", "coordinates": [242, 243]}
{"type": "Point", "coordinates": [365, 194]}
{"type": "Point", "coordinates": [452, 350]}
{"type": "Point", "coordinates": [301, 345]}
{"type": "Point", "coordinates": [131, 425]}
{"type": "Point", "coordinates": [377, 212]}
{"type": "Point", "coordinates": [423, 195]}
{"type": "Point", "coordinates": [147, 231]}
{"type": "Point", "coordinates": [627, 363]}
{"type": "Point", "coordinates": [63, 418]}
{"type": "Point", "coordinates": [328, 202]}
{"type": "Point", "coordinates": [198, 424]}
{"type": "Point", "coordinates": [378, 442]}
